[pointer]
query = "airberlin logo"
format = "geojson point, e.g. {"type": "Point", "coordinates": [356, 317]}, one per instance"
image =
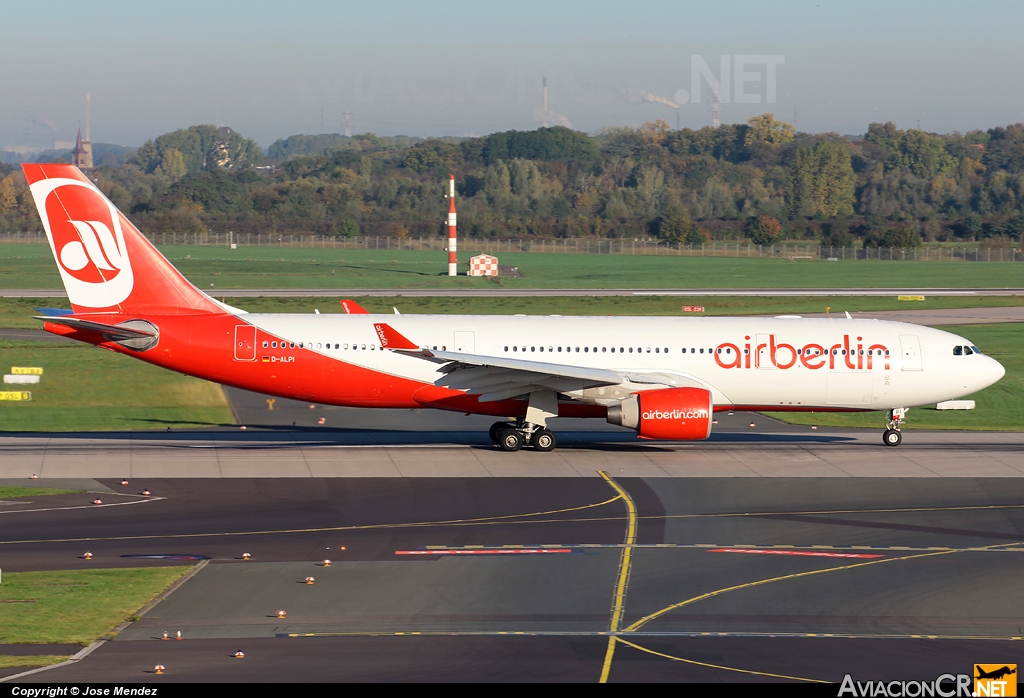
{"type": "Point", "coordinates": [97, 245]}
{"type": "Point", "coordinates": [85, 235]}
{"type": "Point", "coordinates": [676, 414]}
{"type": "Point", "coordinates": [766, 351]}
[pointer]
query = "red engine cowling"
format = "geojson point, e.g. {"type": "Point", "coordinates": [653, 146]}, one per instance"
{"type": "Point", "coordinates": [678, 414]}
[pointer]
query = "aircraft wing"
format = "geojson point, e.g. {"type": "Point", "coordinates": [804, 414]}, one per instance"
{"type": "Point", "coordinates": [496, 378]}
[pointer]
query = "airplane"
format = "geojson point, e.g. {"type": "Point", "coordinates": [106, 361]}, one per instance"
{"type": "Point", "coordinates": [664, 377]}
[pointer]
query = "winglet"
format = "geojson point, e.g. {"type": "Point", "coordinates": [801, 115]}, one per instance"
{"type": "Point", "coordinates": [353, 308]}
{"type": "Point", "coordinates": [390, 339]}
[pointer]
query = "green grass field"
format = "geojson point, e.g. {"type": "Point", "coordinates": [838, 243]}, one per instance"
{"type": "Point", "coordinates": [999, 407]}
{"type": "Point", "coordinates": [85, 388]}
{"type": "Point", "coordinates": [32, 266]}
{"type": "Point", "coordinates": [8, 661]}
{"type": "Point", "coordinates": [15, 492]}
{"type": "Point", "coordinates": [76, 606]}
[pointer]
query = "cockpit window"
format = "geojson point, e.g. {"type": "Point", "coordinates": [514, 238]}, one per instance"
{"type": "Point", "coordinates": [976, 349]}
{"type": "Point", "coordinates": [967, 351]}
{"type": "Point", "coordinates": [958, 351]}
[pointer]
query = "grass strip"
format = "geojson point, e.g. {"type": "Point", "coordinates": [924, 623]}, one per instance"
{"type": "Point", "coordinates": [15, 492]}
{"type": "Point", "coordinates": [76, 606]}
{"type": "Point", "coordinates": [32, 266]}
{"type": "Point", "coordinates": [9, 661]}
{"type": "Point", "coordinates": [84, 388]}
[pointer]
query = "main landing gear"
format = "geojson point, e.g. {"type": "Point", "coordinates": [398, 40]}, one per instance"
{"type": "Point", "coordinates": [892, 435]}
{"type": "Point", "coordinates": [512, 437]}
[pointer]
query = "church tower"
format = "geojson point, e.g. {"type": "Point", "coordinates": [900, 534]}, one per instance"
{"type": "Point", "coordinates": [81, 156]}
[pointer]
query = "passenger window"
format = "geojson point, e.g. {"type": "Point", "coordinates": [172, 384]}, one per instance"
{"type": "Point", "coordinates": [631, 350]}
{"type": "Point", "coordinates": [586, 349]}
{"type": "Point", "coordinates": [506, 348]}
{"type": "Point", "coordinates": [345, 347]}
{"type": "Point", "coordinates": [559, 350]}
{"type": "Point", "coordinates": [363, 347]}
{"type": "Point", "coordinates": [318, 345]}
{"type": "Point", "coordinates": [274, 345]}
{"type": "Point", "coordinates": [577, 350]}
{"type": "Point", "coordinates": [515, 348]}
{"type": "Point", "coordinates": [542, 349]}
{"type": "Point", "coordinates": [702, 350]}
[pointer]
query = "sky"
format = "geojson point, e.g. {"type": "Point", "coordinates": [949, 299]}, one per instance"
{"type": "Point", "coordinates": [273, 69]}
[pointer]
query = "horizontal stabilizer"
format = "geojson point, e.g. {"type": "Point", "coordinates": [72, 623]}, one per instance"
{"type": "Point", "coordinates": [55, 312]}
{"type": "Point", "coordinates": [116, 332]}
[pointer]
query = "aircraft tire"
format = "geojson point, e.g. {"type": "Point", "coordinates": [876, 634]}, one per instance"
{"type": "Point", "coordinates": [544, 440]}
{"type": "Point", "coordinates": [496, 429]}
{"type": "Point", "coordinates": [892, 437]}
{"type": "Point", "coordinates": [510, 440]}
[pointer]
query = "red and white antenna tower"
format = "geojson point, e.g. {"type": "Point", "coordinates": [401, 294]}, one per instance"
{"type": "Point", "coordinates": [716, 107]}
{"type": "Point", "coordinates": [452, 245]}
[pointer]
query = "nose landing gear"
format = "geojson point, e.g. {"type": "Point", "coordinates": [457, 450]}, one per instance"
{"type": "Point", "coordinates": [892, 435]}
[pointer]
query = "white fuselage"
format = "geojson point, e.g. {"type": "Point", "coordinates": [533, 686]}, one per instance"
{"type": "Point", "coordinates": [787, 363]}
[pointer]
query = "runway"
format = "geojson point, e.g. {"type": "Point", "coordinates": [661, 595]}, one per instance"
{"type": "Point", "coordinates": [476, 579]}
{"type": "Point", "coordinates": [531, 292]}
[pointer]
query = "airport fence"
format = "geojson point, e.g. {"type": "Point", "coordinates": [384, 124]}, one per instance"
{"type": "Point", "coordinates": [615, 246]}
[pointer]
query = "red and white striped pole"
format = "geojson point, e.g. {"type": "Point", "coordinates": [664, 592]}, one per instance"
{"type": "Point", "coordinates": [452, 245]}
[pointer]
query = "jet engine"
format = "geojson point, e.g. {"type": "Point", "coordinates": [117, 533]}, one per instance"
{"type": "Point", "coordinates": [678, 414]}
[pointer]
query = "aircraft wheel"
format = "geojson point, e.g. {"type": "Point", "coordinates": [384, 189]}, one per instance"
{"type": "Point", "coordinates": [892, 437]}
{"type": "Point", "coordinates": [496, 429]}
{"type": "Point", "coordinates": [510, 440]}
{"type": "Point", "coordinates": [544, 440]}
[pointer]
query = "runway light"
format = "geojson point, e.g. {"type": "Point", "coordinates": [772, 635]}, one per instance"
{"type": "Point", "coordinates": [714, 421]}
{"type": "Point", "coordinates": [165, 637]}
{"type": "Point", "coordinates": [34, 477]}
{"type": "Point", "coordinates": [246, 556]}
{"type": "Point", "coordinates": [309, 580]}
{"type": "Point", "coordinates": [179, 636]}
{"type": "Point", "coordinates": [752, 425]}
{"type": "Point", "coordinates": [322, 420]}
{"type": "Point", "coordinates": [341, 548]}
{"type": "Point", "coordinates": [327, 563]}
{"type": "Point", "coordinates": [281, 614]}
{"type": "Point", "coordinates": [124, 483]}
{"type": "Point", "coordinates": [158, 669]}
{"type": "Point", "coordinates": [87, 556]}
{"type": "Point", "coordinates": [814, 428]}
{"type": "Point", "coordinates": [242, 428]}
{"type": "Point", "coordinates": [145, 492]}
{"type": "Point", "coordinates": [97, 501]}
{"type": "Point", "coordinates": [239, 655]}
{"type": "Point", "coordinates": [312, 407]}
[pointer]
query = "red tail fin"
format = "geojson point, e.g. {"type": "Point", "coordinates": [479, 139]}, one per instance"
{"type": "Point", "coordinates": [106, 264]}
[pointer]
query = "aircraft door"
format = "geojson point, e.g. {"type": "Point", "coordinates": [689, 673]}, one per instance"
{"type": "Point", "coordinates": [465, 342]}
{"type": "Point", "coordinates": [910, 346]}
{"type": "Point", "coordinates": [245, 343]}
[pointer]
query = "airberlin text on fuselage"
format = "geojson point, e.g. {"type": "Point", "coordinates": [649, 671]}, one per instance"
{"type": "Point", "coordinates": [849, 354]}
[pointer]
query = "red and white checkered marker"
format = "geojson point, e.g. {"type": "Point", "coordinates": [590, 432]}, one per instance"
{"type": "Point", "coordinates": [483, 265]}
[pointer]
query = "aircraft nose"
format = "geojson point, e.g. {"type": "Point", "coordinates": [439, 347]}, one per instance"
{"type": "Point", "coordinates": [993, 371]}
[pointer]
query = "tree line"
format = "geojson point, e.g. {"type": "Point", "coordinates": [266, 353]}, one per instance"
{"type": "Point", "coordinates": [761, 180]}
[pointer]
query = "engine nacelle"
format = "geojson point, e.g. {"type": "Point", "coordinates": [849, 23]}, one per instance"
{"type": "Point", "coordinates": [678, 414]}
